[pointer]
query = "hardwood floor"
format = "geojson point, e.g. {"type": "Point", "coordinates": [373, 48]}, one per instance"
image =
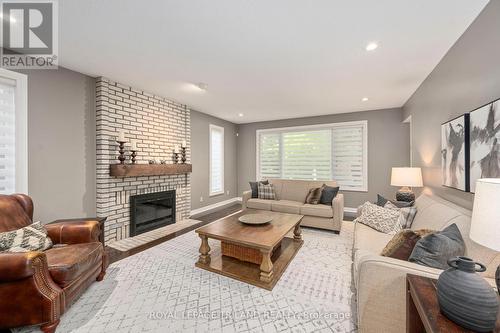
{"type": "Point", "coordinates": [115, 255]}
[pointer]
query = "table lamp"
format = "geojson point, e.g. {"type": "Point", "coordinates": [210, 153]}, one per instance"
{"type": "Point", "coordinates": [406, 178]}
{"type": "Point", "coordinates": [485, 223]}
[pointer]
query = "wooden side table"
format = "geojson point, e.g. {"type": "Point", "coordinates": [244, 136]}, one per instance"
{"type": "Point", "coordinates": [422, 309]}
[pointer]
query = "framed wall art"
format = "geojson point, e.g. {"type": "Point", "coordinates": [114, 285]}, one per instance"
{"type": "Point", "coordinates": [455, 153]}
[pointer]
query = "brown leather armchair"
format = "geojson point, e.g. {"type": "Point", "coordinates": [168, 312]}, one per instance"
{"type": "Point", "coordinates": [37, 287]}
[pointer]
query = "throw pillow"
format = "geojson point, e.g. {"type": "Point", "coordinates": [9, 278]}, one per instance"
{"type": "Point", "coordinates": [402, 244]}
{"type": "Point", "coordinates": [407, 214]}
{"type": "Point", "coordinates": [314, 196]}
{"type": "Point", "coordinates": [30, 238]}
{"type": "Point", "coordinates": [266, 192]}
{"type": "Point", "coordinates": [382, 219]}
{"type": "Point", "coordinates": [327, 194]}
{"type": "Point", "coordinates": [381, 201]}
{"type": "Point", "coordinates": [435, 249]}
{"type": "Point", "coordinates": [254, 186]}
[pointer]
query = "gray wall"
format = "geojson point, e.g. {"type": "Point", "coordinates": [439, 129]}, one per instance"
{"type": "Point", "coordinates": [388, 146]}
{"type": "Point", "coordinates": [61, 144]}
{"type": "Point", "coordinates": [466, 78]}
{"type": "Point", "coordinates": [200, 158]}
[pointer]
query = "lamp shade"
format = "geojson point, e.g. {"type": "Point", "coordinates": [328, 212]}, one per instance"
{"type": "Point", "coordinates": [411, 177]}
{"type": "Point", "coordinates": [485, 224]}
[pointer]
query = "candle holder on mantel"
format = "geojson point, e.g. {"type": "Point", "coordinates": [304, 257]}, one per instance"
{"type": "Point", "coordinates": [121, 157]}
{"type": "Point", "coordinates": [133, 156]}
{"type": "Point", "coordinates": [183, 155]}
{"type": "Point", "coordinates": [176, 158]}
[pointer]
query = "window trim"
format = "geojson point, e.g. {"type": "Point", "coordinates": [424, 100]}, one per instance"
{"type": "Point", "coordinates": [221, 129]}
{"type": "Point", "coordinates": [21, 105]}
{"type": "Point", "coordinates": [363, 123]}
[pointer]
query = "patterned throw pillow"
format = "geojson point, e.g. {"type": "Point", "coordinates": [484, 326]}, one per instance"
{"type": "Point", "coordinates": [31, 238]}
{"type": "Point", "coordinates": [266, 192]}
{"type": "Point", "coordinates": [407, 214]}
{"type": "Point", "coordinates": [382, 219]}
{"type": "Point", "coordinates": [314, 196]}
{"type": "Point", "coordinates": [255, 187]}
{"type": "Point", "coordinates": [402, 244]}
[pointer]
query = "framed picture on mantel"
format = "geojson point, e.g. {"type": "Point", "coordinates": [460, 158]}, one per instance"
{"type": "Point", "coordinates": [484, 143]}
{"type": "Point", "coordinates": [455, 153]}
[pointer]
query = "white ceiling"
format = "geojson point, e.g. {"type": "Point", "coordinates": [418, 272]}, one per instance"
{"type": "Point", "coordinates": [266, 59]}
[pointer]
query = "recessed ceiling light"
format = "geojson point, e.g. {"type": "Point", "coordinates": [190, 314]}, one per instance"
{"type": "Point", "coordinates": [202, 86]}
{"type": "Point", "coordinates": [372, 46]}
{"type": "Point", "coordinates": [240, 114]}
{"type": "Point", "coordinates": [364, 99]}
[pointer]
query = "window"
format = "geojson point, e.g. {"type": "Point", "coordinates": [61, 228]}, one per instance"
{"type": "Point", "coordinates": [216, 160]}
{"type": "Point", "coordinates": [13, 133]}
{"type": "Point", "coordinates": [320, 152]}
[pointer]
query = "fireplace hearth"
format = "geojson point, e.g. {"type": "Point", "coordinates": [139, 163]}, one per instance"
{"type": "Point", "coordinates": [151, 211]}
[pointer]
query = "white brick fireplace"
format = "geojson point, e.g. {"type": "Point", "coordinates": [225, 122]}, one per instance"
{"type": "Point", "coordinates": [158, 125]}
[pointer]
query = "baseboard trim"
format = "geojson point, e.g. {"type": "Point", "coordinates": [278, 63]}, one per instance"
{"type": "Point", "coordinates": [350, 210]}
{"type": "Point", "coordinates": [214, 207]}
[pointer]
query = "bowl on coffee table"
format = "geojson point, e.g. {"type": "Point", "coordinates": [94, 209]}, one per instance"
{"type": "Point", "coordinates": [255, 219]}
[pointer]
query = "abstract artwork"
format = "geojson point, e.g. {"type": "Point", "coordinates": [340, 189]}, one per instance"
{"type": "Point", "coordinates": [454, 153]}
{"type": "Point", "coordinates": [485, 143]}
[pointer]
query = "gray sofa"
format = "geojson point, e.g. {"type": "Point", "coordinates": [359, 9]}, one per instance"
{"type": "Point", "coordinates": [291, 195]}
{"type": "Point", "coordinates": [381, 281]}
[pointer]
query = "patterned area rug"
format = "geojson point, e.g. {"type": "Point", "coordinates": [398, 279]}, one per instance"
{"type": "Point", "coordinates": [160, 290]}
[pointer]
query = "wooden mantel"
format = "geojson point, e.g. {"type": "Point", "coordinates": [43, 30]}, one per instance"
{"type": "Point", "coordinates": [138, 170]}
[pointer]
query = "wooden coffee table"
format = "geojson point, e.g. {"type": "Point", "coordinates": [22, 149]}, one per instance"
{"type": "Point", "coordinates": [246, 245]}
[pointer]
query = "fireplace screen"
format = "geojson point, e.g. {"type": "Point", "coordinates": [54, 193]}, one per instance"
{"type": "Point", "coordinates": [151, 211]}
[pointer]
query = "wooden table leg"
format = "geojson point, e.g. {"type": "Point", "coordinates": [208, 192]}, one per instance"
{"type": "Point", "coordinates": [297, 233]}
{"type": "Point", "coordinates": [204, 257]}
{"type": "Point", "coordinates": [413, 322]}
{"type": "Point", "coordinates": [266, 267]}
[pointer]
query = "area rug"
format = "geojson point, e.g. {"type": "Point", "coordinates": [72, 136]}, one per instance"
{"type": "Point", "coordinates": [160, 290]}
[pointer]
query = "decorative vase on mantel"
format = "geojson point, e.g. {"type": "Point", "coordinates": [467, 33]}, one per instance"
{"type": "Point", "coordinates": [465, 297]}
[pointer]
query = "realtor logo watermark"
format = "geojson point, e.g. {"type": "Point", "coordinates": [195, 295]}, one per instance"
{"type": "Point", "coordinates": [29, 34]}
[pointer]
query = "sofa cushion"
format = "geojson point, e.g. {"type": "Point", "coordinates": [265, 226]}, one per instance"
{"type": "Point", "coordinates": [32, 237]}
{"type": "Point", "coordinates": [402, 244]}
{"type": "Point", "coordinates": [266, 191]}
{"type": "Point", "coordinates": [385, 220]}
{"type": "Point", "coordinates": [67, 263]}
{"type": "Point", "coordinates": [368, 239]}
{"type": "Point", "coordinates": [314, 195]}
{"type": "Point", "coordinates": [254, 186]}
{"type": "Point", "coordinates": [381, 201]}
{"type": "Point", "coordinates": [287, 206]}
{"type": "Point", "coordinates": [328, 194]}
{"type": "Point", "coordinates": [259, 204]}
{"type": "Point", "coordinates": [294, 190]}
{"type": "Point", "coordinates": [316, 210]}
{"type": "Point", "coordinates": [436, 249]}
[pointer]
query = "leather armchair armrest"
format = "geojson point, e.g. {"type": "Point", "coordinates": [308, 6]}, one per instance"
{"type": "Point", "coordinates": [17, 265]}
{"type": "Point", "coordinates": [73, 231]}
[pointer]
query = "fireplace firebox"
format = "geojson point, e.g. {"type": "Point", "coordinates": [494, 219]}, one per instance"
{"type": "Point", "coordinates": [150, 211]}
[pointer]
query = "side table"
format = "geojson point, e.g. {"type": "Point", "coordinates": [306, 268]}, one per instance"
{"type": "Point", "coordinates": [422, 309]}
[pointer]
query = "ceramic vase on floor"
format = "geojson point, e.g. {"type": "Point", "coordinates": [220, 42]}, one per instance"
{"type": "Point", "coordinates": [465, 297]}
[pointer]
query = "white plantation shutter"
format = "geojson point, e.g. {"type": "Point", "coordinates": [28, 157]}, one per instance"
{"type": "Point", "coordinates": [326, 152]}
{"type": "Point", "coordinates": [349, 165]}
{"type": "Point", "coordinates": [7, 136]}
{"type": "Point", "coordinates": [270, 152]}
{"type": "Point", "coordinates": [307, 155]}
{"type": "Point", "coordinates": [216, 160]}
